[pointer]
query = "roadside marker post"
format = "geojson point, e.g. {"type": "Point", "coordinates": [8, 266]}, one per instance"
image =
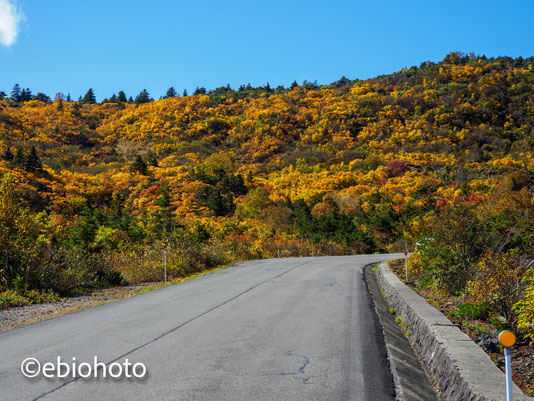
{"type": "Point", "coordinates": [406, 260]}
{"type": "Point", "coordinates": [507, 340]}
{"type": "Point", "coordinates": [165, 256]}
{"type": "Point", "coordinates": [278, 248]}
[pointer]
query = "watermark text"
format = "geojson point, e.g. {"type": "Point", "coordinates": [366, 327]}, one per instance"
{"type": "Point", "coordinates": [31, 367]}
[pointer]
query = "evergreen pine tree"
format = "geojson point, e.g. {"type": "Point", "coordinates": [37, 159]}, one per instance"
{"type": "Point", "coordinates": [185, 92]}
{"type": "Point", "coordinates": [15, 93]}
{"type": "Point", "coordinates": [69, 99]}
{"type": "Point", "coordinates": [25, 95]}
{"type": "Point", "coordinates": [122, 97]}
{"type": "Point", "coordinates": [8, 155]}
{"type": "Point", "coordinates": [171, 92]}
{"type": "Point", "coordinates": [43, 97]}
{"type": "Point", "coordinates": [20, 157]}
{"type": "Point", "coordinates": [139, 166]}
{"type": "Point", "coordinates": [33, 162]}
{"type": "Point", "coordinates": [143, 97]}
{"type": "Point", "coordinates": [22, 95]}
{"type": "Point", "coordinates": [89, 97]}
{"type": "Point", "coordinates": [59, 106]}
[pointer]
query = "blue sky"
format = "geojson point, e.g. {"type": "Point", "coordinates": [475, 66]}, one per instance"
{"type": "Point", "coordinates": [69, 45]}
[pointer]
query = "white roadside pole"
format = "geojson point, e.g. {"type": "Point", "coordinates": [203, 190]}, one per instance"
{"type": "Point", "coordinates": [406, 260]}
{"type": "Point", "coordinates": [165, 256]}
{"type": "Point", "coordinates": [507, 340]}
{"type": "Point", "coordinates": [278, 248]}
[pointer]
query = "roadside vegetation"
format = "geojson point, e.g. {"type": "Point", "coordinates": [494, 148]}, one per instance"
{"type": "Point", "coordinates": [492, 301]}
{"type": "Point", "coordinates": [475, 262]}
{"type": "Point", "coordinates": [92, 193]}
{"type": "Point", "coordinates": [482, 252]}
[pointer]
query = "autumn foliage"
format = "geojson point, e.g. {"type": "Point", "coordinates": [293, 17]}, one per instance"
{"type": "Point", "coordinates": [443, 150]}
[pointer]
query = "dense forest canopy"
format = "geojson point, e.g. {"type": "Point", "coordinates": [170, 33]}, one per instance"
{"type": "Point", "coordinates": [349, 167]}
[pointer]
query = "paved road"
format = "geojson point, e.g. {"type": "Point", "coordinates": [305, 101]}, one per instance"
{"type": "Point", "coordinates": [284, 329]}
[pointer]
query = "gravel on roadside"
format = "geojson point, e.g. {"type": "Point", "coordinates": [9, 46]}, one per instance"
{"type": "Point", "coordinates": [21, 315]}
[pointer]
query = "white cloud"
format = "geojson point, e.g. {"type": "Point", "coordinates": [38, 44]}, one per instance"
{"type": "Point", "coordinates": [10, 18]}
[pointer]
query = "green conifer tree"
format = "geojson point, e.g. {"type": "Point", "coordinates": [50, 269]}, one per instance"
{"type": "Point", "coordinates": [20, 157]}
{"type": "Point", "coordinates": [15, 93]}
{"type": "Point", "coordinates": [143, 97]}
{"type": "Point", "coordinates": [171, 92]}
{"type": "Point", "coordinates": [139, 166]}
{"type": "Point", "coordinates": [89, 97]}
{"type": "Point", "coordinates": [32, 161]}
{"type": "Point", "coordinates": [121, 98]}
{"type": "Point", "coordinates": [8, 155]}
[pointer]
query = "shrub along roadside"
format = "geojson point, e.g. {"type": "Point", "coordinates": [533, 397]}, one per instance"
{"type": "Point", "coordinates": [525, 308]}
{"type": "Point", "coordinates": [482, 325]}
{"type": "Point", "coordinates": [499, 293]}
{"type": "Point", "coordinates": [10, 298]}
{"type": "Point", "coordinates": [479, 251]}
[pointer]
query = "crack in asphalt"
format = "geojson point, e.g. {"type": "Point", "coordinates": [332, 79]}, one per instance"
{"type": "Point", "coordinates": [179, 327]}
{"type": "Point", "coordinates": [301, 369]}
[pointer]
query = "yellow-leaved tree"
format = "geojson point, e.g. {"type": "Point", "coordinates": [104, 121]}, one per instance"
{"type": "Point", "coordinates": [19, 234]}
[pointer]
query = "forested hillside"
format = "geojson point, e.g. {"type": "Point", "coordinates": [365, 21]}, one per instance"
{"type": "Point", "coordinates": [93, 192]}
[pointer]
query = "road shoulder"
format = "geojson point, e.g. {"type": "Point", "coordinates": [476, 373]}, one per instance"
{"type": "Point", "coordinates": [411, 382]}
{"type": "Point", "coordinates": [18, 316]}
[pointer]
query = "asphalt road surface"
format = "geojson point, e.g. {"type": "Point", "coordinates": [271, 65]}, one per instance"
{"type": "Point", "coordinates": [283, 329]}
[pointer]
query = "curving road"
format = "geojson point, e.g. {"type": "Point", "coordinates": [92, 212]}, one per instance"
{"type": "Point", "coordinates": [283, 329]}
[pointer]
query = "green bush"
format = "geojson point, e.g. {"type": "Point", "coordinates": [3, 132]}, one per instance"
{"type": "Point", "coordinates": [473, 310]}
{"type": "Point", "coordinates": [444, 268]}
{"type": "Point", "coordinates": [69, 271]}
{"type": "Point", "coordinates": [475, 328]}
{"type": "Point", "coordinates": [41, 297]}
{"type": "Point", "coordinates": [500, 324]}
{"type": "Point", "coordinates": [11, 298]}
{"type": "Point", "coordinates": [525, 308]}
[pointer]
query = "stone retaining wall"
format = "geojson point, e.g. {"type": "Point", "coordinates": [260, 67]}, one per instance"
{"type": "Point", "coordinates": [461, 370]}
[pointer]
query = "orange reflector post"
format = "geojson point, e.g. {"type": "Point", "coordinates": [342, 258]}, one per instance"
{"type": "Point", "coordinates": [507, 338]}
